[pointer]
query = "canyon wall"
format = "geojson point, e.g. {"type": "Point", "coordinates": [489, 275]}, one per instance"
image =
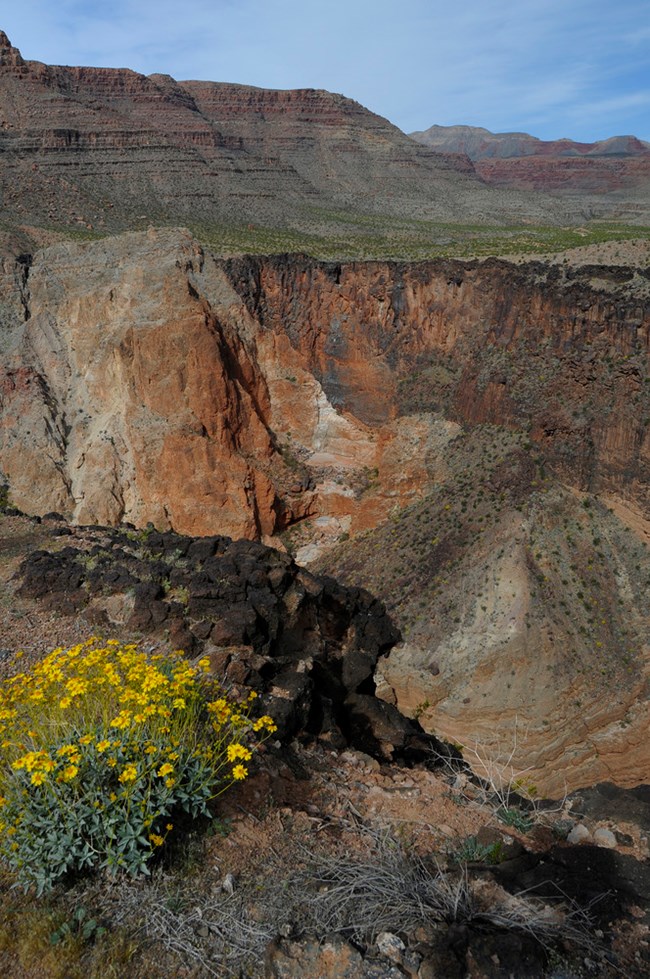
{"type": "Point", "coordinates": [467, 440]}
{"type": "Point", "coordinates": [145, 381]}
{"type": "Point", "coordinates": [99, 149]}
{"type": "Point", "coordinates": [560, 354]}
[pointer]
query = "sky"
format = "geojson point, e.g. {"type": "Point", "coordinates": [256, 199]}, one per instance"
{"type": "Point", "coordinates": [553, 68]}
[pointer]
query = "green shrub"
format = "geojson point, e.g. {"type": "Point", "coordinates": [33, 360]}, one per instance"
{"type": "Point", "coordinates": [516, 818]}
{"type": "Point", "coordinates": [471, 851]}
{"type": "Point", "coordinates": [102, 747]}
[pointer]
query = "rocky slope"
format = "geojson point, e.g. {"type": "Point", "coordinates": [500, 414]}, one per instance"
{"type": "Point", "coordinates": [325, 861]}
{"type": "Point", "coordinates": [98, 148]}
{"type": "Point", "coordinates": [501, 407]}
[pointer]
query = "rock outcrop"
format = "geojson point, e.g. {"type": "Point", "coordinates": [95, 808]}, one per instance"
{"type": "Point", "coordinates": [305, 644]}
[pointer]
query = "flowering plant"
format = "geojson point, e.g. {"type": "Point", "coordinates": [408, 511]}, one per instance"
{"type": "Point", "coordinates": [102, 746]}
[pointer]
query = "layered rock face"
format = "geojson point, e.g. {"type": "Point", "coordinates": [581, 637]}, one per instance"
{"type": "Point", "coordinates": [101, 148]}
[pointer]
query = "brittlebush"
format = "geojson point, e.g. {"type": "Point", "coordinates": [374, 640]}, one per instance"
{"type": "Point", "coordinates": [101, 747]}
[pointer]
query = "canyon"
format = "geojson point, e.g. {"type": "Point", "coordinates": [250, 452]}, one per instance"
{"type": "Point", "coordinates": [468, 440]}
{"type": "Point", "coordinates": [362, 419]}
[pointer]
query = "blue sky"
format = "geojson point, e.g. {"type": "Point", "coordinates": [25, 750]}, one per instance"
{"type": "Point", "coordinates": [576, 68]}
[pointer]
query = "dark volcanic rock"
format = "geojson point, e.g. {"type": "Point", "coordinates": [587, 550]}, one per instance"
{"type": "Point", "coordinates": [306, 643]}
{"type": "Point", "coordinates": [609, 801]}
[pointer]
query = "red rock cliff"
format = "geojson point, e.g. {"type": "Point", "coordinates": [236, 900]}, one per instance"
{"type": "Point", "coordinates": [143, 380]}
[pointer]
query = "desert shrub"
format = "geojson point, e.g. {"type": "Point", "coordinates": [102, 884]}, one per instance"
{"type": "Point", "coordinates": [515, 817]}
{"type": "Point", "coordinates": [471, 851]}
{"type": "Point", "coordinates": [102, 747]}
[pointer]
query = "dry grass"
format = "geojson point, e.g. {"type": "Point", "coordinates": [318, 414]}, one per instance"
{"type": "Point", "coordinates": [396, 890]}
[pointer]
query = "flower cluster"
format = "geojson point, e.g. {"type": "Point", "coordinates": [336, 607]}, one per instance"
{"type": "Point", "coordinates": [100, 745]}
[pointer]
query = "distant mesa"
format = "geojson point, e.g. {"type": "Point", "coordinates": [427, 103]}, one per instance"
{"type": "Point", "coordinates": [522, 162]}
{"type": "Point", "coordinates": [481, 144]}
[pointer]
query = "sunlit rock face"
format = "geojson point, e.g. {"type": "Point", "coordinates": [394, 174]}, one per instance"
{"type": "Point", "coordinates": [144, 380]}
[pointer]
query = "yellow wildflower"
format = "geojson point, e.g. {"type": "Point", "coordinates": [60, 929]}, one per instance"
{"type": "Point", "coordinates": [235, 751]}
{"type": "Point", "coordinates": [76, 686]}
{"type": "Point", "coordinates": [128, 774]}
{"type": "Point", "coordinates": [156, 840]}
{"type": "Point", "coordinates": [102, 746]}
{"type": "Point", "coordinates": [122, 720]}
{"type": "Point", "coordinates": [265, 722]}
{"type": "Point", "coordinates": [239, 772]}
{"type": "Point", "coordinates": [38, 778]}
{"type": "Point", "coordinates": [69, 773]}
{"type": "Point", "coordinates": [165, 769]}
{"type": "Point", "coordinates": [219, 706]}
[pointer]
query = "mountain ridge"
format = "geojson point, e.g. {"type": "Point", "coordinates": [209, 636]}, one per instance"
{"type": "Point", "coordinates": [615, 167]}
{"type": "Point", "coordinates": [480, 143]}
{"type": "Point", "coordinates": [104, 150]}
